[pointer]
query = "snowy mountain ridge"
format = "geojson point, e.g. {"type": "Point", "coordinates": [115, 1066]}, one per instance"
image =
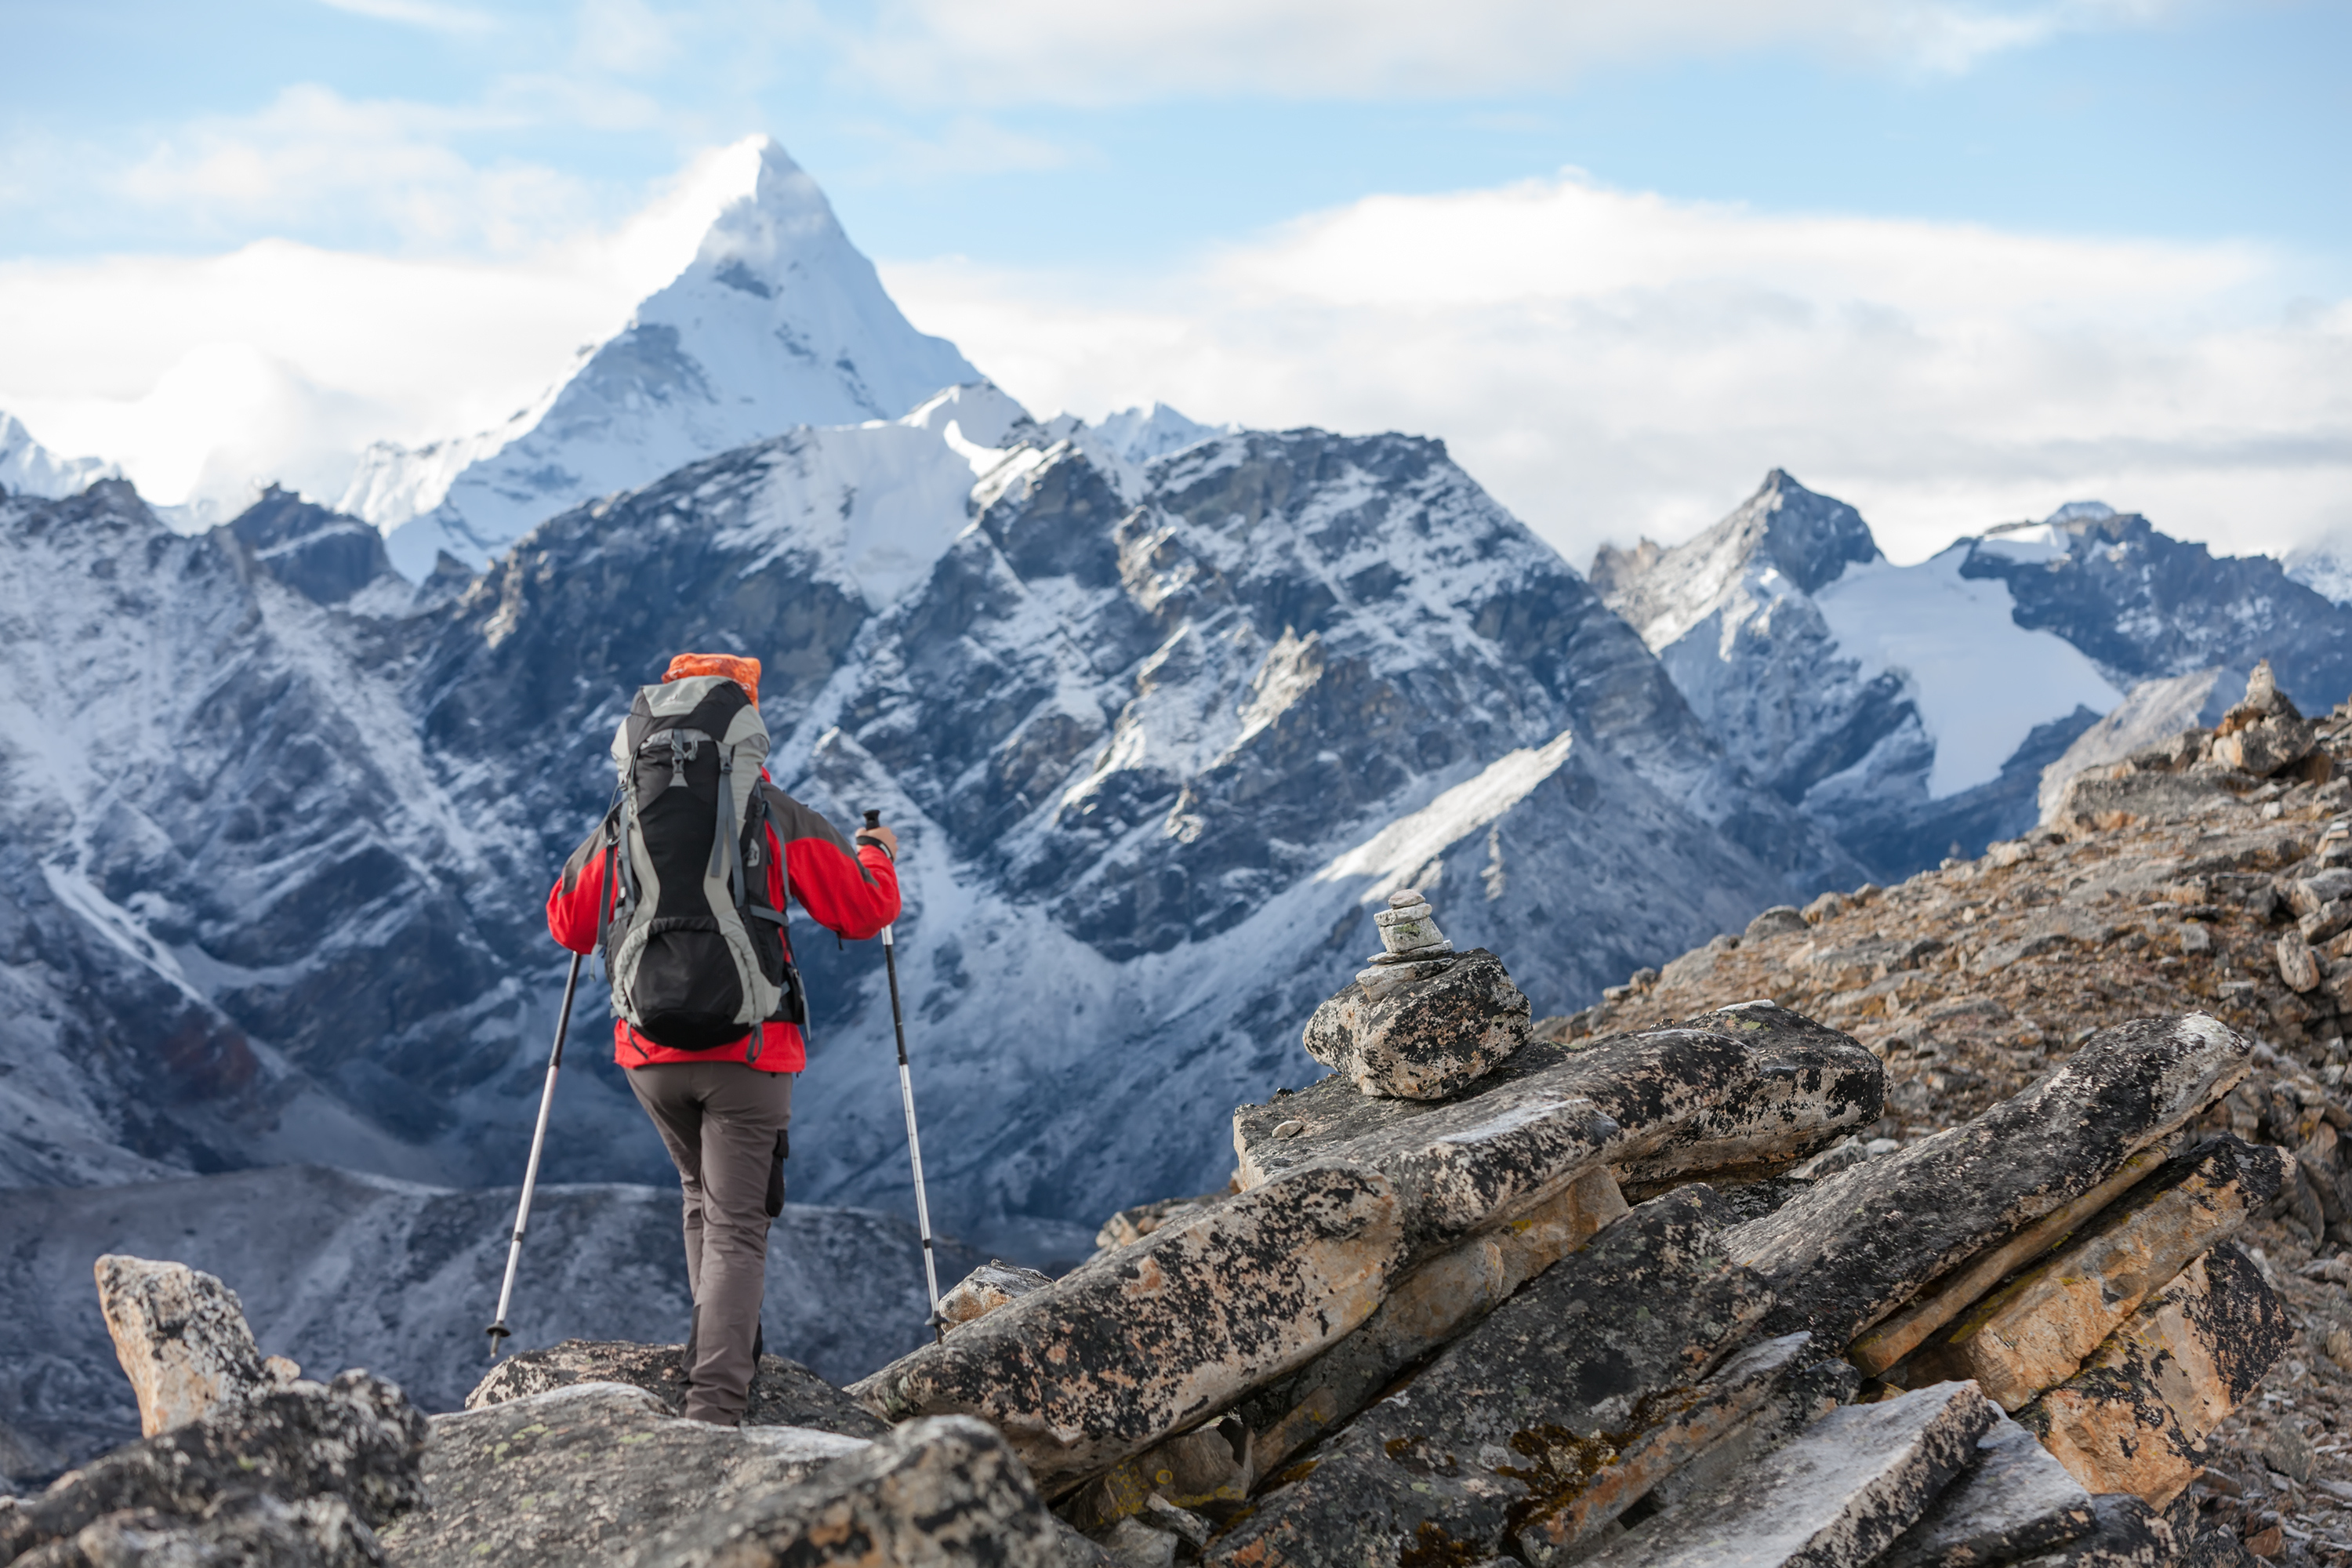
{"type": "Point", "coordinates": [1911, 708]}
{"type": "Point", "coordinates": [778, 322]}
{"type": "Point", "coordinates": [28, 467]}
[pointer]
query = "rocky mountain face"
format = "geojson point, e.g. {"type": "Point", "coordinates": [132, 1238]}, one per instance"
{"type": "Point", "coordinates": [281, 829]}
{"type": "Point", "coordinates": [779, 321]}
{"type": "Point", "coordinates": [1913, 711]}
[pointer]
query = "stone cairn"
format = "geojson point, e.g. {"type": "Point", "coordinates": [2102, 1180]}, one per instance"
{"type": "Point", "coordinates": [1420, 1021]}
{"type": "Point", "coordinates": [1625, 1300]}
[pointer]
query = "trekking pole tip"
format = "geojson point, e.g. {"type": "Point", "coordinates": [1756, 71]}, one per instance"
{"type": "Point", "coordinates": [498, 1331]}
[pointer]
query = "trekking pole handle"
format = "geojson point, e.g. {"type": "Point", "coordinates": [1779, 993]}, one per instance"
{"type": "Point", "coordinates": [874, 819]}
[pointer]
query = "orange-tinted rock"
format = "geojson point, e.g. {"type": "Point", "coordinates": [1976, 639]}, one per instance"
{"type": "Point", "coordinates": [1858, 1244]}
{"type": "Point", "coordinates": [2039, 1328]}
{"type": "Point", "coordinates": [182, 1338]}
{"type": "Point", "coordinates": [2129, 1421]}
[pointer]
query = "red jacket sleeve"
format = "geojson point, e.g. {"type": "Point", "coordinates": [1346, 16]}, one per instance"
{"type": "Point", "coordinates": [572, 902]}
{"type": "Point", "coordinates": [853, 890]}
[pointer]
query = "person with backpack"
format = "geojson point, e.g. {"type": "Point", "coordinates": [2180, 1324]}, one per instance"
{"type": "Point", "coordinates": [683, 887]}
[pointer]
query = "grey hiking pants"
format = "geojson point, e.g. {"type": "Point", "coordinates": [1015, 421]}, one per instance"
{"type": "Point", "coordinates": [723, 1123]}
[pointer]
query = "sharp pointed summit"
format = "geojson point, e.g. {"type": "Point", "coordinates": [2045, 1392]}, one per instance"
{"type": "Point", "coordinates": [779, 321]}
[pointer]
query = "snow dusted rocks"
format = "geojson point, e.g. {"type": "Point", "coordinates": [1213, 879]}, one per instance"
{"type": "Point", "coordinates": [1514, 1418]}
{"type": "Point", "coordinates": [1145, 1341]}
{"type": "Point", "coordinates": [1834, 1498]}
{"type": "Point", "coordinates": [2013, 1501]}
{"type": "Point", "coordinates": [182, 1338]}
{"type": "Point", "coordinates": [1937, 1201]}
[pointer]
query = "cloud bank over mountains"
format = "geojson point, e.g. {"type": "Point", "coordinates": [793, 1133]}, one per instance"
{"type": "Point", "coordinates": [1609, 363]}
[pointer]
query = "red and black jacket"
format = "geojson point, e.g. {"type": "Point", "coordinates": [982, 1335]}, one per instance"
{"type": "Point", "coordinates": [853, 890]}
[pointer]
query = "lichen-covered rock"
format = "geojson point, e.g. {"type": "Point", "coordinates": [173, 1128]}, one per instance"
{"type": "Point", "coordinates": [2013, 1501]}
{"type": "Point", "coordinates": [2117, 796]}
{"type": "Point", "coordinates": [2131, 1419]}
{"type": "Point", "coordinates": [1207, 1470]}
{"type": "Point", "coordinates": [933, 1494]}
{"type": "Point", "coordinates": [1427, 1038]}
{"type": "Point", "coordinates": [587, 1473]}
{"type": "Point", "coordinates": [2126, 1533]}
{"type": "Point", "coordinates": [993, 1284]}
{"type": "Point", "coordinates": [1897, 1336]}
{"type": "Point", "coordinates": [1672, 1433]}
{"type": "Point", "coordinates": [357, 1438]}
{"type": "Point", "coordinates": [1514, 1418]}
{"type": "Point", "coordinates": [1800, 1398]}
{"type": "Point", "coordinates": [2037, 1331]}
{"type": "Point", "coordinates": [1429, 1308]}
{"type": "Point", "coordinates": [1752, 1086]}
{"type": "Point", "coordinates": [1836, 1496]}
{"type": "Point", "coordinates": [1811, 1084]}
{"type": "Point", "coordinates": [1845, 1253]}
{"type": "Point", "coordinates": [241, 1529]}
{"type": "Point", "coordinates": [1144, 1341]}
{"type": "Point", "coordinates": [1131, 1224]}
{"type": "Point", "coordinates": [783, 1391]}
{"type": "Point", "coordinates": [182, 1338]}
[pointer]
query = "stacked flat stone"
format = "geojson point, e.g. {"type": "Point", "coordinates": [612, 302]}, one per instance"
{"type": "Point", "coordinates": [1411, 947]}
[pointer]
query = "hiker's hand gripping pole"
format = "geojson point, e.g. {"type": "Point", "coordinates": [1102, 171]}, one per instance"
{"type": "Point", "coordinates": [499, 1330]}
{"type": "Point", "coordinates": [906, 1098]}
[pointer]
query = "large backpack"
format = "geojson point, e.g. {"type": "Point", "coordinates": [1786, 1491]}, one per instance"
{"type": "Point", "coordinates": [696, 953]}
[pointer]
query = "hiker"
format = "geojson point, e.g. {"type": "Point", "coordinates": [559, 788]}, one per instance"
{"type": "Point", "coordinates": [706, 997]}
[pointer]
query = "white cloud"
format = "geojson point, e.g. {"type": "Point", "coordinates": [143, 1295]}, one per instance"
{"type": "Point", "coordinates": [1080, 51]}
{"type": "Point", "coordinates": [281, 360]}
{"type": "Point", "coordinates": [1613, 363]}
{"type": "Point", "coordinates": [424, 14]}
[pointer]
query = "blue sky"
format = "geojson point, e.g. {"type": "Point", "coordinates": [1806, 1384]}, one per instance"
{"type": "Point", "coordinates": [1031, 169]}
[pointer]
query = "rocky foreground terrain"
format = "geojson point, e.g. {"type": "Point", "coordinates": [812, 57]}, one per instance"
{"type": "Point", "coordinates": [2023, 1247]}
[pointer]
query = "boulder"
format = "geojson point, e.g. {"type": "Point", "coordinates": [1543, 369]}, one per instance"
{"type": "Point", "coordinates": [587, 1473]}
{"type": "Point", "coordinates": [1836, 1496]}
{"type": "Point", "coordinates": [1781, 920]}
{"type": "Point", "coordinates": [1676, 1432]}
{"type": "Point", "coordinates": [240, 1530]}
{"type": "Point", "coordinates": [2117, 796]}
{"type": "Point", "coordinates": [2131, 1419]}
{"type": "Point", "coordinates": [932, 1494]}
{"type": "Point", "coordinates": [1144, 1341]}
{"type": "Point", "coordinates": [1207, 1470]}
{"type": "Point", "coordinates": [1425, 1038]}
{"type": "Point", "coordinates": [1134, 1224]}
{"type": "Point", "coordinates": [1799, 1399]}
{"type": "Point", "coordinates": [1811, 1084]}
{"type": "Point", "coordinates": [993, 1284]}
{"type": "Point", "coordinates": [1897, 1336]}
{"type": "Point", "coordinates": [1514, 1418]}
{"type": "Point", "coordinates": [783, 1393]}
{"type": "Point", "coordinates": [182, 1338]}
{"type": "Point", "coordinates": [2124, 1533]}
{"type": "Point", "coordinates": [2013, 1501]}
{"type": "Point", "coordinates": [1846, 1252]}
{"type": "Point", "coordinates": [2298, 966]}
{"type": "Point", "coordinates": [2036, 1330]}
{"type": "Point", "coordinates": [357, 1439]}
{"type": "Point", "coordinates": [1750, 1083]}
{"type": "Point", "coordinates": [2264, 734]}
{"type": "Point", "coordinates": [1430, 1307]}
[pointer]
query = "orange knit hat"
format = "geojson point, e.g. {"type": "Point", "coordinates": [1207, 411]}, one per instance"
{"type": "Point", "coordinates": [743, 673]}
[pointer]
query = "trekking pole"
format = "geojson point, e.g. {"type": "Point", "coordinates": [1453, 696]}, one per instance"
{"type": "Point", "coordinates": [907, 1095]}
{"type": "Point", "coordinates": [498, 1331]}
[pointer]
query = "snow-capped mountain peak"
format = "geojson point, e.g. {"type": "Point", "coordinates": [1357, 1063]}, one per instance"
{"type": "Point", "coordinates": [778, 322]}
{"type": "Point", "coordinates": [28, 467]}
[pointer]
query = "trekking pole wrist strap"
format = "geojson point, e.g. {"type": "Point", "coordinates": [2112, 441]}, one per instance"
{"type": "Point", "coordinates": [863, 839]}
